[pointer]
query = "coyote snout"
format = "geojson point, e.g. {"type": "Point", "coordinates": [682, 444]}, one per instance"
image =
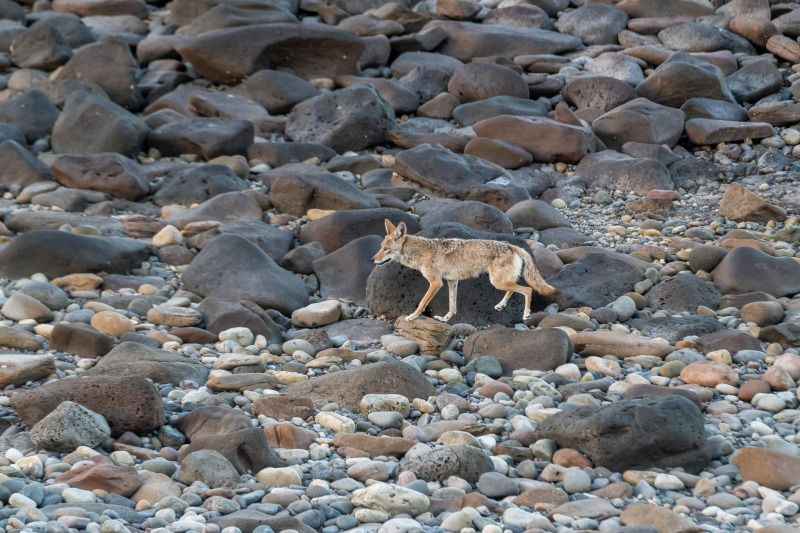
{"type": "Point", "coordinates": [457, 259]}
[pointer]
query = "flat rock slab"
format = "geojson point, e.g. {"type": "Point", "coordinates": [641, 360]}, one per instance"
{"type": "Point", "coordinates": [634, 434]}
{"type": "Point", "coordinates": [58, 253]}
{"type": "Point", "coordinates": [708, 131]}
{"type": "Point", "coordinates": [347, 387]}
{"type": "Point", "coordinates": [134, 359]}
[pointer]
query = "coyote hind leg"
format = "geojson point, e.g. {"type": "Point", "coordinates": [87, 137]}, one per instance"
{"type": "Point", "coordinates": [511, 287]}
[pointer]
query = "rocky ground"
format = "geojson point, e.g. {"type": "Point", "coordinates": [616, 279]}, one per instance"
{"type": "Point", "coordinates": [195, 339]}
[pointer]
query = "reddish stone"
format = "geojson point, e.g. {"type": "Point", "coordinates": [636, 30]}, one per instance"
{"type": "Point", "coordinates": [751, 387]}
{"type": "Point", "coordinates": [666, 195]}
{"type": "Point", "coordinates": [122, 480]}
{"type": "Point", "coordinates": [569, 457]}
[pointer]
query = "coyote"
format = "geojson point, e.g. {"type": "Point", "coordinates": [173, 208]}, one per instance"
{"type": "Point", "coordinates": [456, 259]}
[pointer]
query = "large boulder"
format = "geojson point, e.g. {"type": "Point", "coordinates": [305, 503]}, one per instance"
{"type": "Point", "coordinates": [354, 118]}
{"type": "Point", "coordinates": [595, 280]}
{"type": "Point", "coordinates": [277, 91]}
{"type": "Point", "coordinates": [247, 449]}
{"type": "Point", "coordinates": [597, 92]}
{"type": "Point", "coordinates": [196, 184]}
{"type": "Point", "coordinates": [226, 208]}
{"type": "Point", "coordinates": [683, 293]}
{"type": "Point", "coordinates": [18, 369]}
{"type": "Point", "coordinates": [435, 170]}
{"type": "Point", "coordinates": [18, 166]}
{"type": "Point", "coordinates": [611, 170]}
{"type": "Point", "coordinates": [109, 64]}
{"type": "Point", "coordinates": [594, 23]}
{"type": "Point", "coordinates": [294, 189]}
{"type": "Point", "coordinates": [111, 173]}
{"type": "Point", "coordinates": [41, 48]}
{"type": "Point", "coordinates": [467, 462]}
{"type": "Point", "coordinates": [467, 40]}
{"type": "Point", "coordinates": [206, 137]}
{"type": "Point", "coordinates": [476, 215]}
{"type": "Point", "coordinates": [70, 425]}
{"type": "Point", "coordinates": [91, 124]}
{"type": "Point", "coordinates": [542, 349]}
{"type": "Point", "coordinates": [472, 112]}
{"type": "Point", "coordinates": [344, 272]}
{"type": "Point", "coordinates": [479, 81]}
{"type": "Point", "coordinates": [309, 51]}
{"type": "Point", "coordinates": [348, 387]}
{"type": "Point", "coordinates": [683, 77]}
{"type": "Point", "coordinates": [233, 267]}
{"type": "Point", "coordinates": [130, 403]}
{"type": "Point", "coordinates": [394, 290]}
{"type": "Point", "coordinates": [161, 366]}
{"type": "Point", "coordinates": [32, 112]}
{"type": "Point", "coordinates": [58, 253]}
{"type": "Point", "coordinates": [739, 204]}
{"type": "Point", "coordinates": [339, 228]}
{"type": "Point", "coordinates": [634, 434]}
{"type": "Point", "coordinates": [221, 314]}
{"type": "Point", "coordinates": [547, 140]}
{"type": "Point", "coordinates": [745, 269]}
{"type": "Point", "coordinates": [639, 120]}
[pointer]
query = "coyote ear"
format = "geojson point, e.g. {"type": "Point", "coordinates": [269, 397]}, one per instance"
{"type": "Point", "coordinates": [401, 230]}
{"type": "Point", "coordinates": [389, 227]}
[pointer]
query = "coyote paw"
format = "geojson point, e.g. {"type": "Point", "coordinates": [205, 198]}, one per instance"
{"type": "Point", "coordinates": [442, 318]}
{"type": "Point", "coordinates": [526, 316]}
{"type": "Point", "coordinates": [409, 318]}
{"type": "Point", "coordinates": [500, 307]}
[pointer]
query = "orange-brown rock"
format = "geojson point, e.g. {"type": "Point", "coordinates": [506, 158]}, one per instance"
{"type": "Point", "coordinates": [122, 480]}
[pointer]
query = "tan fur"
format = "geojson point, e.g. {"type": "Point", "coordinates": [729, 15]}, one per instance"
{"type": "Point", "coordinates": [457, 259]}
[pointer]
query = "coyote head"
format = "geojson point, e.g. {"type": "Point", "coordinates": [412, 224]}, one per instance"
{"type": "Point", "coordinates": [392, 244]}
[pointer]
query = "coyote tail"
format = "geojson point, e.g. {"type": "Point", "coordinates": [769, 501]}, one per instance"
{"type": "Point", "coordinates": [533, 277]}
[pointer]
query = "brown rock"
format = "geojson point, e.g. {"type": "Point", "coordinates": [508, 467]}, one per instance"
{"type": "Point", "coordinates": [544, 496]}
{"type": "Point", "coordinates": [127, 403]}
{"type": "Point", "coordinates": [155, 488]}
{"type": "Point", "coordinates": [515, 349]}
{"type": "Point", "coordinates": [212, 420]}
{"type": "Point", "coordinates": [374, 446]}
{"type": "Point", "coordinates": [282, 407]}
{"type": "Point", "coordinates": [122, 480]}
{"type": "Point", "coordinates": [80, 339]}
{"type": "Point", "coordinates": [568, 457]}
{"type": "Point", "coordinates": [432, 335]}
{"type": "Point", "coordinates": [602, 343]}
{"type": "Point", "coordinates": [751, 387]}
{"type": "Point", "coordinates": [247, 449]}
{"type": "Point", "coordinates": [547, 140]}
{"type": "Point", "coordinates": [661, 519]}
{"type": "Point", "coordinates": [709, 374]}
{"type": "Point", "coordinates": [731, 340]}
{"type": "Point", "coordinates": [778, 378]}
{"type": "Point", "coordinates": [739, 204]}
{"type": "Point", "coordinates": [791, 363]}
{"type": "Point", "coordinates": [348, 386]}
{"type": "Point", "coordinates": [645, 389]}
{"type": "Point", "coordinates": [18, 369]}
{"type": "Point", "coordinates": [19, 339]}
{"type": "Point", "coordinates": [763, 313]}
{"type": "Point", "coordinates": [709, 131]}
{"type": "Point", "coordinates": [620, 489]}
{"type": "Point", "coordinates": [112, 323]}
{"type": "Point", "coordinates": [770, 468]}
{"type": "Point", "coordinates": [289, 436]}
{"type": "Point", "coordinates": [78, 282]}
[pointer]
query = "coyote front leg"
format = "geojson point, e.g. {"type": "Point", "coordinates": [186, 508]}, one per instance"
{"type": "Point", "coordinates": [452, 287]}
{"type": "Point", "coordinates": [436, 284]}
